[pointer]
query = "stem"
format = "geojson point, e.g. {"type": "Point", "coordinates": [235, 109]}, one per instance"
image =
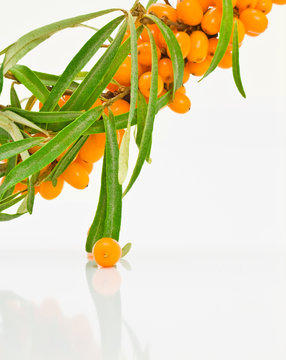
{"type": "Point", "coordinates": [123, 92]}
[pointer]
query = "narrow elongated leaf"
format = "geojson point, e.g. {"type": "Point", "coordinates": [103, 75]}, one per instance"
{"type": "Point", "coordinates": [124, 149]}
{"type": "Point", "coordinates": [121, 55]}
{"type": "Point", "coordinates": [235, 61]}
{"type": "Point", "coordinates": [224, 36]}
{"type": "Point", "coordinates": [31, 81]}
{"type": "Point", "coordinates": [14, 148]}
{"type": "Point", "coordinates": [11, 164]}
{"type": "Point", "coordinates": [175, 52]}
{"type": "Point", "coordinates": [113, 188]}
{"type": "Point", "coordinates": [31, 192]}
{"type": "Point", "coordinates": [51, 150]}
{"type": "Point", "coordinates": [151, 112]}
{"type": "Point", "coordinates": [3, 168]}
{"type": "Point", "coordinates": [51, 80]}
{"type": "Point", "coordinates": [78, 62]}
{"type": "Point", "coordinates": [94, 79]}
{"type": "Point", "coordinates": [66, 160]}
{"type": "Point", "coordinates": [14, 97]}
{"type": "Point", "coordinates": [9, 203]}
{"type": "Point", "coordinates": [8, 217]}
{"type": "Point", "coordinates": [97, 228]}
{"type": "Point", "coordinates": [32, 39]}
{"type": "Point", "coordinates": [4, 136]}
{"type": "Point", "coordinates": [1, 77]}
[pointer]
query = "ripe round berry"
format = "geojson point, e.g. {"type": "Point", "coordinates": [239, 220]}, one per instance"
{"type": "Point", "coordinates": [76, 176]}
{"type": "Point", "coordinates": [226, 61]}
{"type": "Point", "coordinates": [190, 12]}
{"type": "Point", "coordinates": [187, 74]}
{"type": "Point", "coordinates": [93, 148]}
{"type": "Point", "coordinates": [112, 87]}
{"type": "Point", "coordinates": [199, 47]}
{"type": "Point", "coordinates": [255, 21]}
{"type": "Point", "coordinates": [19, 187]}
{"type": "Point", "coordinates": [123, 74]}
{"type": "Point", "coordinates": [181, 103]}
{"type": "Point", "coordinates": [48, 191]}
{"type": "Point", "coordinates": [246, 4]}
{"type": "Point", "coordinates": [120, 107]}
{"type": "Point", "coordinates": [279, 2]}
{"type": "Point", "coordinates": [211, 21]}
{"type": "Point", "coordinates": [106, 252]}
{"type": "Point", "coordinates": [184, 43]}
{"type": "Point", "coordinates": [166, 70]}
{"type": "Point", "coordinates": [154, 30]}
{"type": "Point", "coordinates": [264, 6]}
{"type": "Point", "coordinates": [163, 10]}
{"type": "Point", "coordinates": [145, 84]}
{"type": "Point", "coordinates": [205, 4]}
{"type": "Point", "coordinates": [199, 69]}
{"type": "Point", "coordinates": [212, 48]}
{"type": "Point", "coordinates": [87, 166]}
{"type": "Point", "coordinates": [145, 54]}
{"type": "Point", "coordinates": [182, 90]}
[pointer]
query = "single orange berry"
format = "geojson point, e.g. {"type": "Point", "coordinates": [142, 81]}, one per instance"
{"type": "Point", "coordinates": [98, 102]}
{"type": "Point", "coordinates": [199, 69]}
{"type": "Point", "coordinates": [264, 6]}
{"type": "Point", "coordinates": [154, 30]}
{"type": "Point", "coordinates": [20, 187]}
{"type": "Point", "coordinates": [211, 21]}
{"type": "Point", "coordinates": [112, 87]}
{"type": "Point", "coordinates": [76, 176]}
{"type": "Point", "coordinates": [184, 42]}
{"type": "Point", "coordinates": [212, 48]}
{"type": "Point", "coordinates": [226, 61]}
{"type": "Point", "coordinates": [246, 4]}
{"type": "Point", "coordinates": [199, 47]}
{"type": "Point", "coordinates": [182, 90]}
{"type": "Point", "coordinates": [106, 252]}
{"type": "Point", "coordinates": [240, 29]}
{"type": "Point", "coordinates": [190, 12]}
{"type": "Point", "coordinates": [120, 107]}
{"type": "Point", "coordinates": [123, 74]}
{"type": "Point", "coordinates": [255, 21]}
{"type": "Point", "coordinates": [145, 84]}
{"type": "Point", "coordinates": [205, 4]}
{"type": "Point", "coordinates": [181, 103]}
{"type": "Point", "coordinates": [87, 166]}
{"type": "Point", "coordinates": [161, 41]}
{"type": "Point", "coordinates": [93, 148]}
{"type": "Point", "coordinates": [61, 102]}
{"type": "Point", "coordinates": [187, 74]}
{"type": "Point", "coordinates": [163, 10]}
{"type": "Point", "coordinates": [166, 70]}
{"type": "Point", "coordinates": [279, 2]}
{"type": "Point", "coordinates": [145, 54]}
{"type": "Point", "coordinates": [48, 191]}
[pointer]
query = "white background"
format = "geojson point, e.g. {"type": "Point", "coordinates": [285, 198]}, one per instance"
{"type": "Point", "coordinates": [206, 219]}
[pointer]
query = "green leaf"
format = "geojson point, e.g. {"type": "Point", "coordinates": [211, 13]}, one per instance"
{"type": "Point", "coordinates": [51, 80]}
{"type": "Point", "coordinates": [66, 160]}
{"type": "Point", "coordinates": [97, 228]}
{"type": "Point", "coordinates": [141, 116]}
{"type": "Point", "coordinates": [31, 81]}
{"type": "Point", "coordinates": [3, 168]}
{"type": "Point", "coordinates": [78, 62]}
{"type": "Point", "coordinates": [112, 68]}
{"type": "Point", "coordinates": [235, 61]}
{"type": "Point", "coordinates": [11, 164]}
{"type": "Point", "coordinates": [14, 148]}
{"type": "Point", "coordinates": [51, 150]}
{"type": "Point", "coordinates": [113, 188]}
{"type": "Point", "coordinates": [4, 136]}
{"type": "Point", "coordinates": [8, 217]}
{"type": "Point", "coordinates": [14, 97]}
{"type": "Point", "coordinates": [81, 98]}
{"type": "Point", "coordinates": [1, 78]}
{"type": "Point", "coordinates": [11, 202]}
{"type": "Point", "coordinates": [32, 39]}
{"type": "Point", "coordinates": [125, 250]}
{"type": "Point", "coordinates": [31, 192]}
{"type": "Point", "coordinates": [224, 36]}
{"type": "Point", "coordinates": [175, 52]}
{"type": "Point", "coordinates": [149, 122]}
{"type": "Point", "coordinates": [124, 149]}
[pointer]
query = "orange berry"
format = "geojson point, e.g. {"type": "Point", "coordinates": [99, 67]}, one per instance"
{"type": "Point", "coordinates": [154, 30]}
{"type": "Point", "coordinates": [120, 134]}
{"type": "Point", "coordinates": [212, 48]}
{"type": "Point", "coordinates": [112, 87]}
{"type": "Point", "coordinates": [279, 2]}
{"type": "Point", "coordinates": [87, 166]}
{"type": "Point", "coordinates": [163, 10]}
{"type": "Point", "coordinates": [166, 70]}
{"type": "Point", "coordinates": [184, 42]}
{"type": "Point", "coordinates": [48, 191]}
{"type": "Point", "coordinates": [145, 54]}
{"type": "Point", "coordinates": [187, 74]}
{"type": "Point", "coordinates": [61, 102]}
{"type": "Point", "coordinates": [98, 102]}
{"type": "Point", "coordinates": [145, 84]}
{"type": "Point", "coordinates": [211, 21]}
{"type": "Point", "coordinates": [205, 4]}
{"type": "Point", "coordinates": [182, 90]}
{"type": "Point", "coordinates": [255, 21]}
{"type": "Point", "coordinates": [198, 69]}
{"type": "Point", "coordinates": [218, 3]}
{"type": "Point", "coordinates": [19, 187]}
{"type": "Point", "coordinates": [161, 41]}
{"type": "Point", "coordinates": [106, 252]}
{"type": "Point", "coordinates": [181, 103]}
{"type": "Point", "coordinates": [190, 12]}
{"type": "Point", "coordinates": [226, 61]}
{"type": "Point", "coordinates": [245, 4]}
{"type": "Point", "coordinates": [199, 47]}
{"type": "Point", "coordinates": [240, 29]}
{"type": "Point", "coordinates": [93, 148]}
{"type": "Point", "coordinates": [120, 107]}
{"type": "Point", "coordinates": [264, 5]}
{"type": "Point", "coordinates": [123, 74]}
{"type": "Point", "coordinates": [76, 176]}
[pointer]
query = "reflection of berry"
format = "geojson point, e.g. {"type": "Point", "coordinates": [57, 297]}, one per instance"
{"type": "Point", "coordinates": [106, 282]}
{"type": "Point", "coordinates": [106, 252]}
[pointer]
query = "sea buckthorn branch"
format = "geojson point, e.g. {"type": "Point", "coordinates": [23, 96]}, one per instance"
{"type": "Point", "coordinates": [87, 115]}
